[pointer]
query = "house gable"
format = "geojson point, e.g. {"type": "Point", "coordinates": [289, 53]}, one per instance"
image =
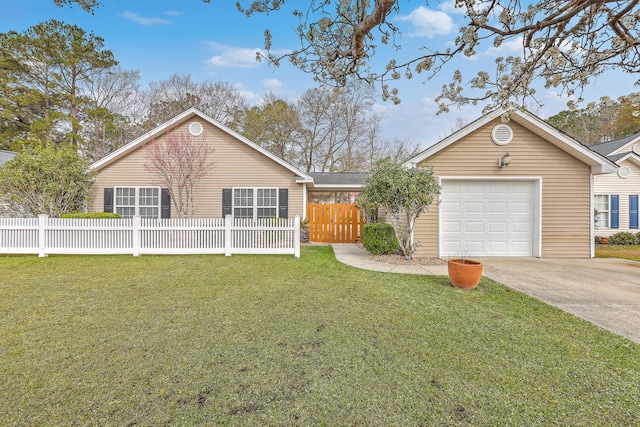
{"type": "Point", "coordinates": [537, 126]}
{"type": "Point", "coordinates": [558, 169]}
{"type": "Point", "coordinates": [237, 163]}
{"type": "Point", "coordinates": [180, 119]}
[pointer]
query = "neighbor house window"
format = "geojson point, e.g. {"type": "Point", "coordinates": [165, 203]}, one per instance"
{"type": "Point", "coordinates": [602, 214]}
{"type": "Point", "coordinates": [142, 201]}
{"type": "Point", "coordinates": [255, 202]}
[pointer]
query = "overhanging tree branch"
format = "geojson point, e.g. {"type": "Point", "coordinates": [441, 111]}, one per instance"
{"type": "Point", "coordinates": [565, 43]}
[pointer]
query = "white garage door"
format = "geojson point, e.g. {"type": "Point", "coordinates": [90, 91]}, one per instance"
{"type": "Point", "coordinates": [486, 218]}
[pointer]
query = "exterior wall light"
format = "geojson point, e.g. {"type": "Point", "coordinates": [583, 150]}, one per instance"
{"type": "Point", "coordinates": [504, 161]}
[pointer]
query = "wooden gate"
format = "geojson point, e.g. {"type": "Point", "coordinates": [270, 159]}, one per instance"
{"type": "Point", "coordinates": [334, 222]}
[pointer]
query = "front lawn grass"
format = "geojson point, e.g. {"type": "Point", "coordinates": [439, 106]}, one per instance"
{"type": "Point", "coordinates": [618, 251]}
{"type": "Point", "coordinates": [275, 340]}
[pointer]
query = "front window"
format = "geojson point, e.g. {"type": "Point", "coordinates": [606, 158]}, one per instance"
{"type": "Point", "coordinates": [149, 202]}
{"type": "Point", "coordinates": [142, 201]}
{"type": "Point", "coordinates": [255, 202]}
{"type": "Point", "coordinates": [267, 203]}
{"type": "Point", "coordinates": [601, 205]}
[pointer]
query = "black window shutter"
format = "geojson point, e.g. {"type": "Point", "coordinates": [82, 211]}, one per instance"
{"type": "Point", "coordinates": [165, 203]}
{"type": "Point", "coordinates": [226, 202]}
{"type": "Point", "coordinates": [283, 203]}
{"type": "Point", "coordinates": [108, 200]}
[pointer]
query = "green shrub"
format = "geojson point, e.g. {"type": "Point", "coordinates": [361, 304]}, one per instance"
{"type": "Point", "coordinates": [92, 215]}
{"type": "Point", "coordinates": [623, 238]}
{"type": "Point", "coordinates": [378, 239]}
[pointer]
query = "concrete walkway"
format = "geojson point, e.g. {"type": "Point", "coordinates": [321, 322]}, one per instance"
{"type": "Point", "coordinates": [603, 291]}
{"type": "Point", "coordinates": [355, 256]}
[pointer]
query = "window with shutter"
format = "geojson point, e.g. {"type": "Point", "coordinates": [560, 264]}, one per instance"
{"type": "Point", "coordinates": [615, 206]}
{"type": "Point", "coordinates": [633, 211]}
{"type": "Point", "coordinates": [254, 202]}
{"type": "Point", "coordinates": [142, 201]}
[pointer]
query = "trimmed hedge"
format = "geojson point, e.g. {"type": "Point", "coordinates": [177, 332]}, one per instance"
{"type": "Point", "coordinates": [92, 215]}
{"type": "Point", "coordinates": [623, 238]}
{"type": "Point", "coordinates": [379, 239]}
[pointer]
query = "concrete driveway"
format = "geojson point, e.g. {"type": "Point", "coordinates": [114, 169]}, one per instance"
{"type": "Point", "coordinates": [606, 292]}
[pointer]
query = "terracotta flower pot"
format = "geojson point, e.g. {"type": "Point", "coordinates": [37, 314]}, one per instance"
{"type": "Point", "coordinates": [464, 273]}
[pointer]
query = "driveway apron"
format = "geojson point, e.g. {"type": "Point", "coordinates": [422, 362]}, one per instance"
{"type": "Point", "coordinates": [605, 292]}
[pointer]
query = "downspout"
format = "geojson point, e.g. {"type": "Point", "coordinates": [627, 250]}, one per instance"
{"type": "Point", "coordinates": [304, 201]}
{"type": "Point", "coordinates": [591, 219]}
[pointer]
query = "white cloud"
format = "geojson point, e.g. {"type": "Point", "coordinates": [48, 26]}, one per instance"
{"type": "Point", "coordinates": [449, 6]}
{"type": "Point", "coordinates": [428, 23]}
{"type": "Point", "coordinates": [233, 57]}
{"type": "Point", "coordinates": [554, 102]}
{"type": "Point", "coordinates": [508, 48]}
{"type": "Point", "coordinates": [251, 97]}
{"type": "Point", "coordinates": [139, 19]}
{"type": "Point", "coordinates": [173, 13]}
{"type": "Point", "coordinates": [273, 85]}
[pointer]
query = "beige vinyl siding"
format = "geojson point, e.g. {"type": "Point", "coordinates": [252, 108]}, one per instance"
{"type": "Point", "coordinates": [566, 206]}
{"type": "Point", "coordinates": [235, 164]}
{"type": "Point", "coordinates": [612, 184]}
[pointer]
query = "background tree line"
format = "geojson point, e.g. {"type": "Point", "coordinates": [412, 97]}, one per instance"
{"type": "Point", "coordinates": [58, 85]}
{"type": "Point", "coordinates": [601, 121]}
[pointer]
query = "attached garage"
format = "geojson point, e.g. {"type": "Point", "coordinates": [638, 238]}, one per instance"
{"type": "Point", "coordinates": [489, 217]}
{"type": "Point", "coordinates": [511, 185]}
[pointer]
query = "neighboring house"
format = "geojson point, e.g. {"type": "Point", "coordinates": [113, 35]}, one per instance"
{"type": "Point", "coordinates": [616, 195]}
{"type": "Point", "coordinates": [246, 180]}
{"type": "Point", "coordinates": [540, 205]}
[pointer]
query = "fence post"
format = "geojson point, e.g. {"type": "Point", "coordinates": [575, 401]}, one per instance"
{"type": "Point", "coordinates": [42, 235]}
{"type": "Point", "coordinates": [296, 237]}
{"type": "Point", "coordinates": [228, 221]}
{"type": "Point", "coordinates": [136, 235]}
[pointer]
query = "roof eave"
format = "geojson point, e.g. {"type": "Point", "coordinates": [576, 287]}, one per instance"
{"type": "Point", "coordinates": [626, 146]}
{"type": "Point", "coordinates": [599, 164]}
{"type": "Point", "coordinates": [459, 134]}
{"type": "Point", "coordinates": [179, 118]}
{"type": "Point", "coordinates": [338, 186]}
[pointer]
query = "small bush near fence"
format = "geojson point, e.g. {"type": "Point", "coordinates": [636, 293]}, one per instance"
{"type": "Point", "coordinates": [92, 215]}
{"type": "Point", "coordinates": [624, 238]}
{"type": "Point", "coordinates": [602, 240]}
{"type": "Point", "coordinates": [378, 239]}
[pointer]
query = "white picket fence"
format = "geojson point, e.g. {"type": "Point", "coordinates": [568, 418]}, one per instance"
{"type": "Point", "coordinates": [139, 236]}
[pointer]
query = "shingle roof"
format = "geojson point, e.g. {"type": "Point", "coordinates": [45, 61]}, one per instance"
{"type": "Point", "coordinates": [606, 148]}
{"type": "Point", "coordinates": [615, 157]}
{"type": "Point", "coordinates": [339, 178]}
{"type": "Point", "coordinates": [5, 156]}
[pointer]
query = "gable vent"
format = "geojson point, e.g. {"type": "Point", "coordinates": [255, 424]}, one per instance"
{"type": "Point", "coordinates": [502, 134]}
{"type": "Point", "coordinates": [624, 172]}
{"type": "Point", "coordinates": [195, 128]}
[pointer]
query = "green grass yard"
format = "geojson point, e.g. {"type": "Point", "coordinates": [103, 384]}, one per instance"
{"type": "Point", "coordinates": [275, 340]}
{"type": "Point", "coordinates": [618, 251]}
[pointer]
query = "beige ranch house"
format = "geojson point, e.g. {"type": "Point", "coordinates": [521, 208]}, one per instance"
{"type": "Point", "coordinates": [511, 185]}
{"type": "Point", "coordinates": [245, 180]}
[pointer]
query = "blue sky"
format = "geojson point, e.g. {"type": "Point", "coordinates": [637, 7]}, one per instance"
{"type": "Point", "coordinates": [215, 42]}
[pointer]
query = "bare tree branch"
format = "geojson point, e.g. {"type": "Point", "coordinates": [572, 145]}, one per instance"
{"type": "Point", "coordinates": [178, 161]}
